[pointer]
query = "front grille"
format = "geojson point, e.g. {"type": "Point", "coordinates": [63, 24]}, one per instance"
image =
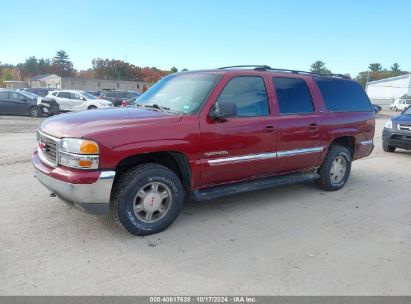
{"type": "Point", "coordinates": [404, 127]}
{"type": "Point", "coordinates": [47, 146]}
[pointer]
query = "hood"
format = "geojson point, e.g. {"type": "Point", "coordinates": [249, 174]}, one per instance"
{"type": "Point", "coordinates": [85, 123]}
{"type": "Point", "coordinates": [402, 118]}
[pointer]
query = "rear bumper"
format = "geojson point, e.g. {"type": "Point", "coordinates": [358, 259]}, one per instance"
{"type": "Point", "coordinates": [93, 197]}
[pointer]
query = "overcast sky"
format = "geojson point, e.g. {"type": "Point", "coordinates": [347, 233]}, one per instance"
{"type": "Point", "coordinates": [347, 35]}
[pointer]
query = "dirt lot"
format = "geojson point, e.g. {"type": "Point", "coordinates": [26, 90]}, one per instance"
{"type": "Point", "coordinates": [295, 240]}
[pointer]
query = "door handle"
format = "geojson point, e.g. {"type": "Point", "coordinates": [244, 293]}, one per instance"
{"type": "Point", "coordinates": [313, 126]}
{"type": "Point", "coordinates": [269, 129]}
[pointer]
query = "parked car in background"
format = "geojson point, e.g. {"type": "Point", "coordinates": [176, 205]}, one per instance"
{"type": "Point", "coordinates": [117, 97]}
{"type": "Point", "coordinates": [400, 104]}
{"type": "Point", "coordinates": [39, 91]}
{"type": "Point", "coordinates": [26, 103]}
{"type": "Point", "coordinates": [94, 93]}
{"type": "Point", "coordinates": [76, 100]}
{"type": "Point", "coordinates": [204, 135]}
{"type": "Point", "coordinates": [397, 132]}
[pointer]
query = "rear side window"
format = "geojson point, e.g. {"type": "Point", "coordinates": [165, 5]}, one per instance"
{"type": "Point", "coordinates": [293, 96]}
{"type": "Point", "coordinates": [248, 94]}
{"type": "Point", "coordinates": [343, 95]}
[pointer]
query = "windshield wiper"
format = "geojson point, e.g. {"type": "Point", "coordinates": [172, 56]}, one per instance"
{"type": "Point", "coordinates": [158, 108]}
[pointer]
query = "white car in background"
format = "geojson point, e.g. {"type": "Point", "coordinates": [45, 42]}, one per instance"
{"type": "Point", "coordinates": [76, 100]}
{"type": "Point", "coordinates": [400, 104]}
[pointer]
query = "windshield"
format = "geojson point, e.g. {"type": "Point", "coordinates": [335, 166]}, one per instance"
{"type": "Point", "coordinates": [183, 93]}
{"type": "Point", "coordinates": [407, 111]}
{"type": "Point", "coordinates": [88, 95]}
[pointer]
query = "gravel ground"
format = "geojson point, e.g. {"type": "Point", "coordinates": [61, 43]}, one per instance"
{"type": "Point", "coordinates": [294, 240]}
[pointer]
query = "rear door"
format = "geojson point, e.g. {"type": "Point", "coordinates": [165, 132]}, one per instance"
{"type": "Point", "coordinates": [242, 146]}
{"type": "Point", "coordinates": [299, 125]}
{"type": "Point", "coordinates": [5, 104]}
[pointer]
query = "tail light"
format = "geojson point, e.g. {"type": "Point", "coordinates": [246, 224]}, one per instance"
{"type": "Point", "coordinates": [123, 104]}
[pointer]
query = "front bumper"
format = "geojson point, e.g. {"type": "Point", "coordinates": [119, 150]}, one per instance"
{"type": "Point", "coordinates": [396, 138]}
{"type": "Point", "coordinates": [91, 196]}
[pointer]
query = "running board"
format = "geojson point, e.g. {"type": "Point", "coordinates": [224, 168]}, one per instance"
{"type": "Point", "coordinates": [252, 185]}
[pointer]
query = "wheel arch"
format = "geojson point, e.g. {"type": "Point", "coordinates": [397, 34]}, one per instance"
{"type": "Point", "coordinates": [173, 160]}
{"type": "Point", "coordinates": [347, 141]}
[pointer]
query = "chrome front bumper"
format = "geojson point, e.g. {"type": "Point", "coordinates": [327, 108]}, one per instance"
{"type": "Point", "coordinates": [92, 198]}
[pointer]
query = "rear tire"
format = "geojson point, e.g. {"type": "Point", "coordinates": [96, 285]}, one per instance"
{"type": "Point", "coordinates": [147, 199]}
{"type": "Point", "coordinates": [336, 168]}
{"type": "Point", "coordinates": [35, 111]}
{"type": "Point", "coordinates": [91, 108]}
{"type": "Point", "coordinates": [388, 148]}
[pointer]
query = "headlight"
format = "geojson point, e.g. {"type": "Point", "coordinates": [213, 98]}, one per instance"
{"type": "Point", "coordinates": [388, 124]}
{"type": "Point", "coordinates": [79, 153]}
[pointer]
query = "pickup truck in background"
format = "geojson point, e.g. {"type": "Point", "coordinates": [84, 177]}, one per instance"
{"type": "Point", "coordinates": [205, 134]}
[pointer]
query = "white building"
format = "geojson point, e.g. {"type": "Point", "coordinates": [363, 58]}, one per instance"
{"type": "Point", "coordinates": [384, 91]}
{"type": "Point", "coordinates": [55, 81]}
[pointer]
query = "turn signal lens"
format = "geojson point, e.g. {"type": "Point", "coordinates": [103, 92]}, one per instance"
{"type": "Point", "coordinates": [85, 163]}
{"type": "Point", "coordinates": [88, 147]}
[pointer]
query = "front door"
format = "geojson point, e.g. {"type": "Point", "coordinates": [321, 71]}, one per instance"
{"type": "Point", "coordinates": [242, 146]}
{"type": "Point", "coordinates": [64, 101]}
{"type": "Point", "coordinates": [299, 125]}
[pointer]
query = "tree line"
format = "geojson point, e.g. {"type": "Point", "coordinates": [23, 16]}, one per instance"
{"type": "Point", "coordinates": [375, 72]}
{"type": "Point", "coordinates": [61, 65]}
{"type": "Point", "coordinates": [114, 69]}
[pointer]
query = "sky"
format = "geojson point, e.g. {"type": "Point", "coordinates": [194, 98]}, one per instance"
{"type": "Point", "coordinates": [198, 34]}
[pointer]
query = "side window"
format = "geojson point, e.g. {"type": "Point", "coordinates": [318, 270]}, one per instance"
{"type": "Point", "coordinates": [64, 94]}
{"type": "Point", "coordinates": [342, 95]}
{"type": "Point", "coordinates": [75, 96]}
{"type": "Point", "coordinates": [110, 94]}
{"type": "Point", "coordinates": [54, 93]}
{"type": "Point", "coordinates": [4, 95]}
{"type": "Point", "coordinates": [248, 94]}
{"type": "Point", "coordinates": [15, 97]}
{"type": "Point", "coordinates": [293, 96]}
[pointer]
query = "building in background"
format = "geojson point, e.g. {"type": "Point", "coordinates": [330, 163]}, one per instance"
{"type": "Point", "coordinates": [86, 84]}
{"type": "Point", "coordinates": [384, 91]}
{"type": "Point", "coordinates": [71, 83]}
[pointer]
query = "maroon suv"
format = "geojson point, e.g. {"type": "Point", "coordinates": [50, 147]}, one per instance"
{"type": "Point", "coordinates": [205, 134]}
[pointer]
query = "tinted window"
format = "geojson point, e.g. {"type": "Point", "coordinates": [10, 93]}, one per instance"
{"type": "Point", "coordinates": [4, 95]}
{"type": "Point", "coordinates": [64, 95]}
{"type": "Point", "coordinates": [54, 93]}
{"type": "Point", "coordinates": [15, 97]}
{"type": "Point", "coordinates": [293, 96]}
{"type": "Point", "coordinates": [110, 94]}
{"type": "Point", "coordinates": [343, 95]}
{"type": "Point", "coordinates": [248, 94]}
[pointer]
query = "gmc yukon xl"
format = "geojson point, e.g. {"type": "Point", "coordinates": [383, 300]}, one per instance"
{"type": "Point", "coordinates": [205, 134]}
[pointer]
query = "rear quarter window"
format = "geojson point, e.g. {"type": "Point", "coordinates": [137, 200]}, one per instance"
{"type": "Point", "coordinates": [343, 95]}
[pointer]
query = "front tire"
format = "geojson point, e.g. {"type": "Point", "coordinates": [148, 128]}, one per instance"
{"type": "Point", "coordinates": [147, 199]}
{"type": "Point", "coordinates": [91, 108]}
{"type": "Point", "coordinates": [336, 168]}
{"type": "Point", "coordinates": [388, 148]}
{"type": "Point", "coordinates": [35, 111]}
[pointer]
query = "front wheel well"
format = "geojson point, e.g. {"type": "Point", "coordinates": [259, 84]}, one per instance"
{"type": "Point", "coordinates": [175, 161]}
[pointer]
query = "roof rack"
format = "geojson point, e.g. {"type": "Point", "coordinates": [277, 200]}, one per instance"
{"type": "Point", "coordinates": [268, 68]}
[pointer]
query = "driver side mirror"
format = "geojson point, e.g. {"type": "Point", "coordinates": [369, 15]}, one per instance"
{"type": "Point", "coordinates": [222, 110]}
